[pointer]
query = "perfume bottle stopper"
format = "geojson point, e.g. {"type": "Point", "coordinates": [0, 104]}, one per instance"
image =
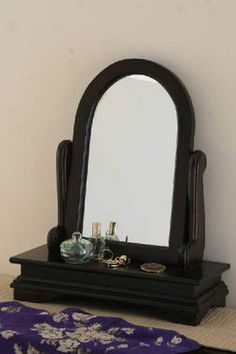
{"type": "Point", "coordinates": [112, 228]}
{"type": "Point", "coordinates": [96, 229]}
{"type": "Point", "coordinates": [111, 233]}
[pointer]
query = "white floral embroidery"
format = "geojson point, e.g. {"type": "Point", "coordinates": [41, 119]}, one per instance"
{"type": "Point", "coordinates": [68, 341]}
{"type": "Point", "coordinates": [8, 333]}
{"type": "Point", "coordinates": [174, 341]}
{"type": "Point", "coordinates": [96, 326]}
{"type": "Point", "coordinates": [77, 316]}
{"type": "Point", "coordinates": [60, 317]}
{"type": "Point", "coordinates": [159, 340]}
{"type": "Point", "coordinates": [79, 331]}
{"type": "Point", "coordinates": [122, 346]}
{"type": "Point", "coordinates": [50, 341]}
{"type": "Point", "coordinates": [93, 333]}
{"type": "Point", "coordinates": [48, 332]}
{"type": "Point", "coordinates": [10, 309]}
{"type": "Point", "coordinates": [128, 330]}
{"type": "Point", "coordinates": [32, 350]}
{"type": "Point", "coordinates": [144, 344]}
{"type": "Point", "coordinates": [17, 349]}
{"type": "Point", "coordinates": [68, 345]}
{"type": "Point", "coordinates": [113, 330]}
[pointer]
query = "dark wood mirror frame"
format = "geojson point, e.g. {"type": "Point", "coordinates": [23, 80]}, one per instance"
{"type": "Point", "coordinates": [186, 240]}
{"type": "Point", "coordinates": [189, 287]}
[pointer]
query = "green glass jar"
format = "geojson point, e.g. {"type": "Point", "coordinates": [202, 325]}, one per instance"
{"type": "Point", "coordinates": [77, 250]}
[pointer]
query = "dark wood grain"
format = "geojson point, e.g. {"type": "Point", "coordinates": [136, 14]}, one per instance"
{"type": "Point", "coordinates": [194, 241]}
{"type": "Point", "coordinates": [63, 163]}
{"type": "Point", "coordinates": [40, 256]}
{"type": "Point", "coordinates": [176, 295]}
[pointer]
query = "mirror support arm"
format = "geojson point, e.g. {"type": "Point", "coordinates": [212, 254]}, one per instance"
{"type": "Point", "coordinates": [63, 164]}
{"type": "Point", "coordinates": [195, 226]}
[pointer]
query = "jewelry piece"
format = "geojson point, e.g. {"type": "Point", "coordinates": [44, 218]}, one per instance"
{"type": "Point", "coordinates": [111, 263]}
{"type": "Point", "coordinates": [153, 267]}
{"type": "Point", "coordinates": [120, 261]}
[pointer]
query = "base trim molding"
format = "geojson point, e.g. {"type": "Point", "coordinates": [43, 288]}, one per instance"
{"type": "Point", "coordinates": [176, 295]}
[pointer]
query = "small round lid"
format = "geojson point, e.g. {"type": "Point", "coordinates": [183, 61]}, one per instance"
{"type": "Point", "coordinates": [78, 237]}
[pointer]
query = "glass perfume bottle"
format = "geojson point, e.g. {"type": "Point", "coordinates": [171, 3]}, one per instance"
{"type": "Point", "coordinates": [76, 250]}
{"type": "Point", "coordinates": [99, 242]}
{"type": "Point", "coordinates": [111, 233]}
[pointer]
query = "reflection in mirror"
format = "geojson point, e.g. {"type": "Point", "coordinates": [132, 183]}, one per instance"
{"type": "Point", "coordinates": [132, 161]}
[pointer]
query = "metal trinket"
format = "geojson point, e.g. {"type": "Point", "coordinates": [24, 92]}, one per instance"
{"type": "Point", "coordinates": [153, 267]}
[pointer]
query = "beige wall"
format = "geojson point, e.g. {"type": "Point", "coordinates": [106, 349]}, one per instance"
{"type": "Point", "coordinates": [51, 49]}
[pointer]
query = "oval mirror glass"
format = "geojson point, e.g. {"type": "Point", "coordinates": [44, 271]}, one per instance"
{"type": "Point", "coordinates": [131, 164]}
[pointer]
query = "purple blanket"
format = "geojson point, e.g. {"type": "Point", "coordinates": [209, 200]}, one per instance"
{"type": "Point", "coordinates": [25, 330]}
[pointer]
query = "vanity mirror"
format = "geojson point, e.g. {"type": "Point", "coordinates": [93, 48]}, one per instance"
{"type": "Point", "coordinates": [131, 161]}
